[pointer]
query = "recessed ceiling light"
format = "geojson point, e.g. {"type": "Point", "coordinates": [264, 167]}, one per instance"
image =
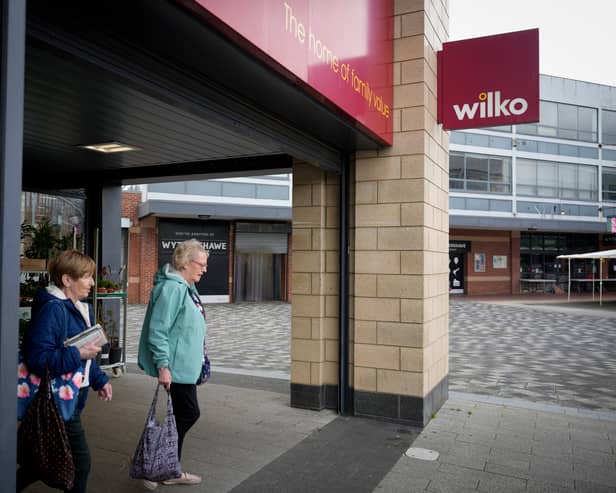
{"type": "Point", "coordinates": [110, 147]}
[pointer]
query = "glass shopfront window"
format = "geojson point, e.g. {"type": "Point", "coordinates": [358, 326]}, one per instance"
{"type": "Point", "coordinates": [479, 173]}
{"type": "Point", "coordinates": [557, 180]}
{"type": "Point", "coordinates": [565, 121]}
{"type": "Point", "coordinates": [539, 252]}
{"type": "Point", "coordinates": [59, 218]}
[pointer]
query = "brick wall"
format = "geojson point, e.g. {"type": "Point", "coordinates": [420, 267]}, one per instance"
{"type": "Point", "coordinates": [490, 243]}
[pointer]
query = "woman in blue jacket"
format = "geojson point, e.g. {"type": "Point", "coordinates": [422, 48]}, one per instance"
{"type": "Point", "coordinates": [173, 338]}
{"type": "Point", "coordinates": [57, 314]}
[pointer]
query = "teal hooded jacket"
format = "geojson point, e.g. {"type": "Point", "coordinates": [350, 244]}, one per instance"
{"type": "Point", "coordinates": [173, 333]}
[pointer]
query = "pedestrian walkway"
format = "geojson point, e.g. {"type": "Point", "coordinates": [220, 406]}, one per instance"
{"type": "Point", "coordinates": [543, 353]}
{"type": "Point", "coordinates": [242, 337]}
{"type": "Point", "coordinates": [250, 440]}
{"type": "Point", "coordinates": [525, 348]}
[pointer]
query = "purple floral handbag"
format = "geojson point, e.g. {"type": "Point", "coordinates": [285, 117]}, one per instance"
{"type": "Point", "coordinates": [156, 458]}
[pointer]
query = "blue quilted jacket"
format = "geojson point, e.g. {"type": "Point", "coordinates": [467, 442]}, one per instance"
{"type": "Point", "coordinates": [53, 320]}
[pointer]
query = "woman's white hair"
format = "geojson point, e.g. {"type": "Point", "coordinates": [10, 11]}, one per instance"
{"type": "Point", "coordinates": [186, 252]}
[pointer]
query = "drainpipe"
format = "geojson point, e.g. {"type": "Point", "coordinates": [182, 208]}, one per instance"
{"type": "Point", "coordinates": [344, 392]}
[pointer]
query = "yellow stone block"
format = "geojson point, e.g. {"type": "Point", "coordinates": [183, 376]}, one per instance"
{"type": "Point", "coordinates": [377, 215]}
{"type": "Point", "coordinates": [399, 286]}
{"type": "Point", "coordinates": [332, 217]}
{"type": "Point", "coordinates": [365, 238]}
{"type": "Point", "coordinates": [301, 283]}
{"type": "Point", "coordinates": [378, 262]}
{"type": "Point", "coordinates": [412, 262]}
{"type": "Point", "coordinates": [329, 372]}
{"type": "Point", "coordinates": [365, 332]}
{"type": "Point", "coordinates": [302, 195]}
{"type": "Point", "coordinates": [411, 359]}
{"type": "Point", "coordinates": [408, 95]}
{"type": "Point", "coordinates": [412, 119]}
{"type": "Point", "coordinates": [365, 379]}
{"type": "Point", "coordinates": [413, 214]}
{"type": "Point", "coordinates": [307, 350]}
{"type": "Point", "coordinates": [413, 24]}
{"type": "Point", "coordinates": [399, 382]}
{"type": "Point", "coordinates": [301, 239]}
{"type": "Point", "coordinates": [400, 191]}
{"type": "Point", "coordinates": [332, 306]}
{"type": "Point", "coordinates": [380, 309]}
{"type": "Point", "coordinates": [366, 192]}
{"type": "Point", "coordinates": [307, 261]}
{"type": "Point", "coordinates": [381, 168]}
{"type": "Point", "coordinates": [300, 372]}
{"type": "Point", "coordinates": [332, 262]}
{"type": "Point", "coordinates": [402, 238]}
{"type": "Point", "coordinates": [308, 217]}
{"type": "Point", "coordinates": [331, 350]}
{"type": "Point", "coordinates": [365, 285]}
{"type": "Point", "coordinates": [412, 71]}
{"type": "Point", "coordinates": [307, 306]}
{"type": "Point", "coordinates": [408, 48]}
{"type": "Point", "coordinates": [410, 310]}
{"type": "Point", "coordinates": [325, 283]}
{"type": "Point", "coordinates": [399, 334]}
{"type": "Point", "coordinates": [301, 328]}
{"type": "Point", "coordinates": [374, 356]}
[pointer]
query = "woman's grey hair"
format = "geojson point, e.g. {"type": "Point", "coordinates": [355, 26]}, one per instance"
{"type": "Point", "coordinates": [187, 251]}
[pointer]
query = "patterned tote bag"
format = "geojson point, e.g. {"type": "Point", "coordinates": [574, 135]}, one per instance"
{"type": "Point", "coordinates": [42, 443]}
{"type": "Point", "coordinates": [156, 457]}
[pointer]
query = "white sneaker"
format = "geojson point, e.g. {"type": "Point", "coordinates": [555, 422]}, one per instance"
{"type": "Point", "coordinates": [185, 478]}
{"type": "Point", "coordinates": [149, 485]}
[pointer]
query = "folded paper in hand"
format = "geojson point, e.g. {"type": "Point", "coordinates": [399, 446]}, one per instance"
{"type": "Point", "coordinates": [94, 334]}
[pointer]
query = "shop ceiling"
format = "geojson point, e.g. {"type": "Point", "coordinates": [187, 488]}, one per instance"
{"type": "Point", "coordinates": [151, 75]}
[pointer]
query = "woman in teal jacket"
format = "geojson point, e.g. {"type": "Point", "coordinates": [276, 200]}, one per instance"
{"type": "Point", "coordinates": [173, 338]}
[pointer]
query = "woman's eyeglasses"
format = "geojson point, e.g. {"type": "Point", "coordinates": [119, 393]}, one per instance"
{"type": "Point", "coordinates": [203, 266]}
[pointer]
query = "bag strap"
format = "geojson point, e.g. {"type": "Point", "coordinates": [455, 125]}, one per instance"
{"type": "Point", "coordinates": [152, 413]}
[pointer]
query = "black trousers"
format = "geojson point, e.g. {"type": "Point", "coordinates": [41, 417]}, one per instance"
{"type": "Point", "coordinates": [185, 409]}
{"type": "Point", "coordinates": [81, 458]}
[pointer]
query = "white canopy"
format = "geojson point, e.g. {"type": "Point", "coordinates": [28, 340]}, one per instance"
{"type": "Point", "coordinates": [591, 256]}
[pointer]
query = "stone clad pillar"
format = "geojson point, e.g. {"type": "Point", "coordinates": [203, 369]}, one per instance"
{"type": "Point", "coordinates": [399, 242]}
{"type": "Point", "coordinates": [400, 247]}
{"type": "Point", "coordinates": [314, 322]}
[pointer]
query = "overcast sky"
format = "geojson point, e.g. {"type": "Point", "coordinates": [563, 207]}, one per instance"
{"type": "Point", "coordinates": [577, 38]}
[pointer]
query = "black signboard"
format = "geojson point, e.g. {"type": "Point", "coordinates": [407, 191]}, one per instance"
{"type": "Point", "coordinates": [459, 246]}
{"type": "Point", "coordinates": [214, 235]}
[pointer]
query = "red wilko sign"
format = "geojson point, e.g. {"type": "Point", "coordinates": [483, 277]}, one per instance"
{"type": "Point", "coordinates": [489, 81]}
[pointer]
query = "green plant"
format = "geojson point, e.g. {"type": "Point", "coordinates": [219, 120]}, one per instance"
{"type": "Point", "coordinates": [44, 242]}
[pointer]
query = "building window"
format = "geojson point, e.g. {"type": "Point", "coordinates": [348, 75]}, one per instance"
{"type": "Point", "coordinates": [608, 127]}
{"type": "Point", "coordinates": [479, 173]}
{"type": "Point", "coordinates": [564, 121]}
{"type": "Point", "coordinates": [557, 180]}
{"type": "Point", "coordinates": [609, 184]}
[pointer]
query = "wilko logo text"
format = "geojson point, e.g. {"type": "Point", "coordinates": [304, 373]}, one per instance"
{"type": "Point", "coordinates": [490, 105]}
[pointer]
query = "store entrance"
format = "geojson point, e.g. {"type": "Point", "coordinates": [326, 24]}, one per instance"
{"type": "Point", "coordinates": [258, 277]}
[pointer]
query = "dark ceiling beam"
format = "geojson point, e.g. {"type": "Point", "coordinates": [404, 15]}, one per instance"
{"type": "Point", "coordinates": [195, 90]}
{"type": "Point", "coordinates": [198, 170]}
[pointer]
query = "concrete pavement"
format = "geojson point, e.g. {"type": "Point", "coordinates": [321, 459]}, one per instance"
{"type": "Point", "coordinates": [250, 440]}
